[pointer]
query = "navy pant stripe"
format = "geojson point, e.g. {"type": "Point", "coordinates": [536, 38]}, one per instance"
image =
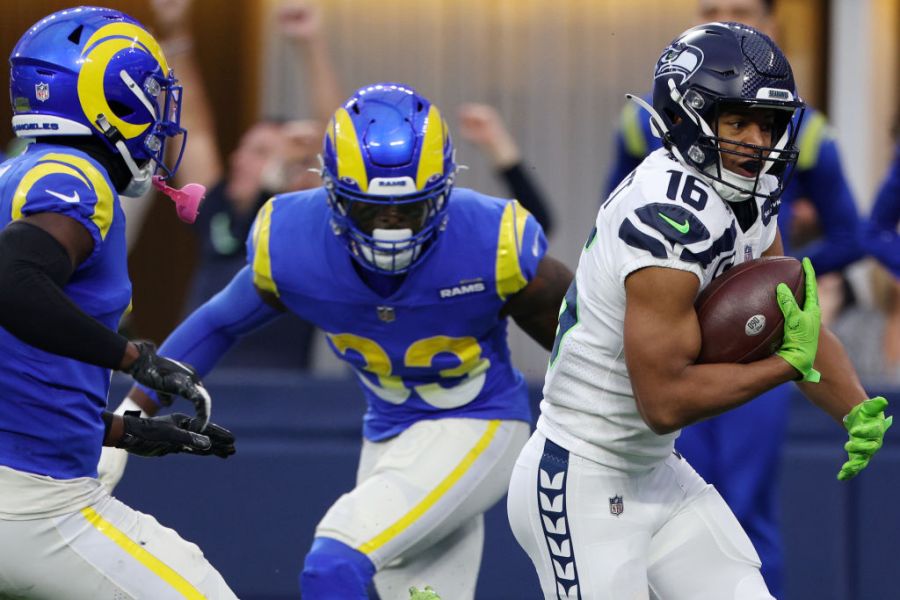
{"type": "Point", "coordinates": [551, 491]}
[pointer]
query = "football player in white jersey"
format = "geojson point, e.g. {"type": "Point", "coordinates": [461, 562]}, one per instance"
{"type": "Point", "coordinates": [598, 499]}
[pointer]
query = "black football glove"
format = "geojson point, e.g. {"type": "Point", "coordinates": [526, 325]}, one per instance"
{"type": "Point", "coordinates": [170, 377]}
{"type": "Point", "coordinates": [158, 436]}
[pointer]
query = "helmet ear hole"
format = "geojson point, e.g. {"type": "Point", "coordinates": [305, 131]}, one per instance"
{"type": "Point", "coordinates": [119, 109]}
{"type": "Point", "coordinates": [75, 36]}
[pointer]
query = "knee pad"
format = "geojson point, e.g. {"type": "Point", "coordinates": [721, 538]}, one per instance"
{"type": "Point", "coordinates": [335, 571]}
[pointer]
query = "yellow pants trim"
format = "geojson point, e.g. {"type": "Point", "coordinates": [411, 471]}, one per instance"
{"type": "Point", "coordinates": [162, 570]}
{"type": "Point", "coordinates": [434, 495]}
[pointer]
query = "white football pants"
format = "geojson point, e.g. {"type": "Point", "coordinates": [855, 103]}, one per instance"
{"type": "Point", "coordinates": [597, 533]}
{"type": "Point", "coordinates": [416, 510]}
{"type": "Point", "coordinates": [105, 551]}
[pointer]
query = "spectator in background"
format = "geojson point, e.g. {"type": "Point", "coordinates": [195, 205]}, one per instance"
{"type": "Point", "coordinates": [739, 452]}
{"type": "Point", "coordinates": [881, 238]}
{"type": "Point", "coordinates": [271, 157]}
{"type": "Point", "coordinates": [871, 335]}
{"type": "Point", "coordinates": [482, 125]}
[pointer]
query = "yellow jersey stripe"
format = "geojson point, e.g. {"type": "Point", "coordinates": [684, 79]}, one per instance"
{"type": "Point", "coordinates": [431, 158]}
{"type": "Point", "coordinates": [434, 495]}
{"type": "Point", "coordinates": [346, 146]}
{"type": "Point", "coordinates": [103, 209]}
{"type": "Point", "coordinates": [508, 271]}
{"type": "Point", "coordinates": [811, 141]}
{"type": "Point", "coordinates": [262, 261]}
{"type": "Point", "coordinates": [136, 551]}
{"type": "Point", "coordinates": [632, 132]}
{"type": "Point", "coordinates": [35, 174]}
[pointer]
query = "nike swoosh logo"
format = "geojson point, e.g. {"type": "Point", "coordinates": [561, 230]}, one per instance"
{"type": "Point", "coordinates": [70, 199]}
{"type": "Point", "coordinates": [680, 227]}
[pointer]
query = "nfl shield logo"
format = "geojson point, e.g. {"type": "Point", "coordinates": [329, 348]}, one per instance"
{"type": "Point", "coordinates": [616, 506]}
{"type": "Point", "coordinates": [748, 253]}
{"type": "Point", "coordinates": [42, 91]}
{"type": "Point", "coordinates": [386, 314]}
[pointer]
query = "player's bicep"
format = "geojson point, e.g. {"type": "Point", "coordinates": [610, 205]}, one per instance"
{"type": "Point", "coordinates": [535, 307]}
{"type": "Point", "coordinates": [662, 333]}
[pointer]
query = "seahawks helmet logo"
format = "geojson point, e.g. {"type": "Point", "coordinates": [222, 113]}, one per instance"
{"type": "Point", "coordinates": [680, 59]}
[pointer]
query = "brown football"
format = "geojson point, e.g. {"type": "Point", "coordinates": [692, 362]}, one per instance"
{"type": "Point", "coordinates": [740, 320]}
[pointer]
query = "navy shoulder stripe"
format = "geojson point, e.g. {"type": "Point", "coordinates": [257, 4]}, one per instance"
{"type": "Point", "coordinates": [723, 245]}
{"type": "Point", "coordinates": [676, 223]}
{"type": "Point", "coordinates": [636, 238]}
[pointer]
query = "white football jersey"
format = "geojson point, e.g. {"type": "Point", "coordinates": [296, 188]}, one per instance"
{"type": "Point", "coordinates": [665, 215]}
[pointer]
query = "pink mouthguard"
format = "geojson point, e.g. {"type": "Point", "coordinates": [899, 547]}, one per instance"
{"type": "Point", "coordinates": [187, 199]}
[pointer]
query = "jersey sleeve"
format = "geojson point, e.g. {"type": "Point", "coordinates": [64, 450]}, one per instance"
{"type": "Point", "coordinates": [881, 236]}
{"type": "Point", "coordinates": [820, 177]}
{"type": "Point", "coordinates": [69, 185]}
{"type": "Point", "coordinates": [669, 234]}
{"type": "Point", "coordinates": [259, 249]}
{"type": "Point", "coordinates": [521, 244]}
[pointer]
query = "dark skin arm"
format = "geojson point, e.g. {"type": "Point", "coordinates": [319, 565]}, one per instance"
{"type": "Point", "coordinates": [78, 243]}
{"type": "Point", "coordinates": [839, 389]}
{"type": "Point", "coordinates": [662, 341]}
{"type": "Point", "coordinates": [536, 306]}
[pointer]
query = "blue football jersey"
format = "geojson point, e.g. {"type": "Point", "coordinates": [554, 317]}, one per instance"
{"type": "Point", "coordinates": [437, 346]}
{"type": "Point", "coordinates": [50, 406]}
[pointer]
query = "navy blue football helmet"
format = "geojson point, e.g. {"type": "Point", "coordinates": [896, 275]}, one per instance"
{"type": "Point", "coordinates": [97, 72]}
{"type": "Point", "coordinates": [388, 150]}
{"type": "Point", "coordinates": [711, 69]}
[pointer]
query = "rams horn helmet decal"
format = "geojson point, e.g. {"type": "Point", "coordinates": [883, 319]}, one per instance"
{"type": "Point", "coordinates": [96, 71]}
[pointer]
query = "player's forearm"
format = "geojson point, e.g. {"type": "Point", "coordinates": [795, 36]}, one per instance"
{"type": "Point", "coordinates": [839, 390]}
{"type": "Point", "coordinates": [702, 391]}
{"type": "Point", "coordinates": [201, 161]}
{"type": "Point", "coordinates": [322, 78]}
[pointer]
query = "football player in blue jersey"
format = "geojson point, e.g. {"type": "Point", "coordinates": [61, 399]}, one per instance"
{"type": "Point", "coordinates": [720, 448]}
{"type": "Point", "coordinates": [882, 240]}
{"type": "Point", "coordinates": [92, 89]}
{"type": "Point", "coordinates": [412, 280]}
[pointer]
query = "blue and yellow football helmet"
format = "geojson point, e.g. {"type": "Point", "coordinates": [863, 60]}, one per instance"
{"type": "Point", "coordinates": [96, 71]}
{"type": "Point", "coordinates": [388, 166]}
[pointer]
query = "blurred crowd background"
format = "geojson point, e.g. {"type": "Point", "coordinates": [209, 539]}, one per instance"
{"type": "Point", "coordinates": [533, 90]}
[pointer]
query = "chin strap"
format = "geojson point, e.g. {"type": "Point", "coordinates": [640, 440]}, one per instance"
{"type": "Point", "coordinates": [187, 199]}
{"type": "Point", "coordinates": [112, 134]}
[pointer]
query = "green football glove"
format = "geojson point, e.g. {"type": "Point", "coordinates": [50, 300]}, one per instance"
{"type": "Point", "coordinates": [426, 594]}
{"type": "Point", "coordinates": [866, 424]}
{"type": "Point", "coordinates": [801, 327]}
